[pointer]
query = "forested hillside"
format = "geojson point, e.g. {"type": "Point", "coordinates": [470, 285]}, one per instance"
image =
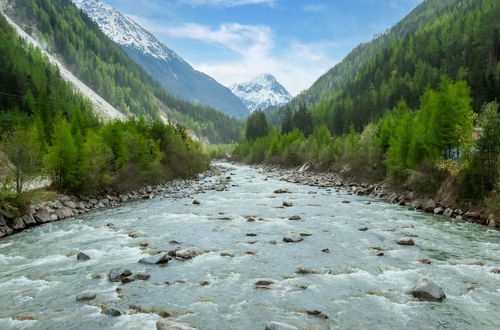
{"type": "Point", "coordinates": [48, 130]}
{"type": "Point", "coordinates": [462, 43]}
{"type": "Point", "coordinates": [421, 113]}
{"type": "Point", "coordinates": [107, 69]}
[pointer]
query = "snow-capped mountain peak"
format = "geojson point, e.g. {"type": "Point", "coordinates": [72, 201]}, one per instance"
{"type": "Point", "coordinates": [123, 30]}
{"type": "Point", "coordinates": [261, 92]}
{"type": "Point", "coordinates": [162, 63]}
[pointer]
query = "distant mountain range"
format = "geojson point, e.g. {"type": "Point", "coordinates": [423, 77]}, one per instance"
{"type": "Point", "coordinates": [261, 92]}
{"type": "Point", "coordinates": [174, 73]}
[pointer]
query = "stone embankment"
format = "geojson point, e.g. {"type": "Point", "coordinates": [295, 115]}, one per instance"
{"type": "Point", "coordinates": [65, 206]}
{"type": "Point", "coordinates": [384, 191]}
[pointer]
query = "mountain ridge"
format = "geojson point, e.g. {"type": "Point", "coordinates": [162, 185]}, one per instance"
{"type": "Point", "coordinates": [174, 73]}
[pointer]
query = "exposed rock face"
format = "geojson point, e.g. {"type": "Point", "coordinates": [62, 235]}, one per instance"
{"type": "Point", "coordinates": [171, 325]}
{"type": "Point", "coordinates": [426, 289]}
{"type": "Point", "coordinates": [279, 326]}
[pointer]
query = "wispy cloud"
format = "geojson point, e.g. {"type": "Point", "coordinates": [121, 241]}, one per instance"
{"type": "Point", "coordinates": [236, 37]}
{"type": "Point", "coordinates": [227, 3]}
{"type": "Point", "coordinates": [255, 50]}
{"type": "Point", "coordinates": [314, 7]}
{"type": "Point", "coordinates": [300, 65]}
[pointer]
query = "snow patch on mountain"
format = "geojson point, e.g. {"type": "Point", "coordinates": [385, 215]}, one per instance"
{"type": "Point", "coordinates": [123, 30]}
{"type": "Point", "coordinates": [261, 92]}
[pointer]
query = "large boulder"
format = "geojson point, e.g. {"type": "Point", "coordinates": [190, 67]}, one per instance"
{"type": "Point", "coordinates": [279, 326]}
{"type": "Point", "coordinates": [19, 224]}
{"type": "Point", "coordinates": [160, 258]}
{"type": "Point", "coordinates": [64, 213]}
{"type": "Point", "coordinates": [43, 216]}
{"type": "Point", "coordinates": [427, 290]}
{"type": "Point", "coordinates": [171, 325]}
{"type": "Point", "coordinates": [448, 212]}
{"type": "Point", "coordinates": [5, 231]}
{"type": "Point", "coordinates": [28, 220]}
{"type": "Point", "coordinates": [429, 205]}
{"type": "Point", "coordinates": [70, 204]}
{"type": "Point", "coordinates": [438, 210]}
{"type": "Point", "coordinates": [117, 274]}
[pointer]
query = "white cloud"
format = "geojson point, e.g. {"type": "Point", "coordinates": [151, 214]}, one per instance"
{"type": "Point", "coordinates": [227, 3]}
{"type": "Point", "coordinates": [296, 65]}
{"type": "Point", "coordinates": [301, 65]}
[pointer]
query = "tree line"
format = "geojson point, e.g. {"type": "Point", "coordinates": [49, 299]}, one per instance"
{"type": "Point", "coordinates": [413, 148]}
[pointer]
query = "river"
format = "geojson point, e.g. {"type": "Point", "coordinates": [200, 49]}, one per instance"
{"type": "Point", "coordinates": [40, 276]}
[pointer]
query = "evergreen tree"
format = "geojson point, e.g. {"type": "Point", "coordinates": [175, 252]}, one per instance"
{"type": "Point", "coordinates": [256, 126]}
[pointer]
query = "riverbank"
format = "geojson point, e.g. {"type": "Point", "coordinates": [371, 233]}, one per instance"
{"type": "Point", "coordinates": [306, 176]}
{"type": "Point", "coordinates": [67, 206]}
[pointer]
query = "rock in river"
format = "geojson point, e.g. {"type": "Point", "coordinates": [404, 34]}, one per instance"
{"type": "Point", "coordinates": [82, 256]}
{"type": "Point", "coordinates": [117, 274]}
{"type": "Point", "coordinates": [293, 239]}
{"type": "Point", "coordinates": [405, 241]}
{"type": "Point", "coordinates": [295, 217]}
{"type": "Point", "coordinates": [279, 326]}
{"type": "Point", "coordinates": [86, 296]}
{"type": "Point", "coordinates": [185, 254]}
{"type": "Point", "coordinates": [171, 325]}
{"type": "Point", "coordinates": [427, 289]}
{"type": "Point", "coordinates": [160, 258]}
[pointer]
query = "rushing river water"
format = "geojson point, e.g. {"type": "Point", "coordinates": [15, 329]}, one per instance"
{"type": "Point", "coordinates": [40, 276]}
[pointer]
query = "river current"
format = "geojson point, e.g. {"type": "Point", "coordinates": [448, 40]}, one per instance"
{"type": "Point", "coordinates": [40, 276]}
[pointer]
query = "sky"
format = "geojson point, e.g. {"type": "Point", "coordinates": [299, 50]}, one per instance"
{"type": "Point", "coordinates": [235, 40]}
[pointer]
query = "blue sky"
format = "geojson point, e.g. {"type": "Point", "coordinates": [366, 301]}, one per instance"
{"type": "Point", "coordinates": [235, 40]}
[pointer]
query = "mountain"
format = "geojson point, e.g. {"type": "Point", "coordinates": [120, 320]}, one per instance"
{"type": "Point", "coordinates": [460, 43]}
{"type": "Point", "coordinates": [70, 36]}
{"type": "Point", "coordinates": [163, 64]}
{"type": "Point", "coordinates": [261, 92]}
{"type": "Point", "coordinates": [338, 76]}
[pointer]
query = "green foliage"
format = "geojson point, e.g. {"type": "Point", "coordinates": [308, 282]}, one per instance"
{"type": "Point", "coordinates": [256, 126]}
{"type": "Point", "coordinates": [300, 119]}
{"type": "Point", "coordinates": [41, 117]}
{"type": "Point", "coordinates": [23, 149]}
{"type": "Point", "coordinates": [461, 43]}
{"type": "Point", "coordinates": [100, 64]}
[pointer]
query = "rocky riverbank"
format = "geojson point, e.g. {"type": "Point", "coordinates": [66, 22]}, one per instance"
{"type": "Point", "coordinates": [66, 206]}
{"type": "Point", "coordinates": [304, 175]}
